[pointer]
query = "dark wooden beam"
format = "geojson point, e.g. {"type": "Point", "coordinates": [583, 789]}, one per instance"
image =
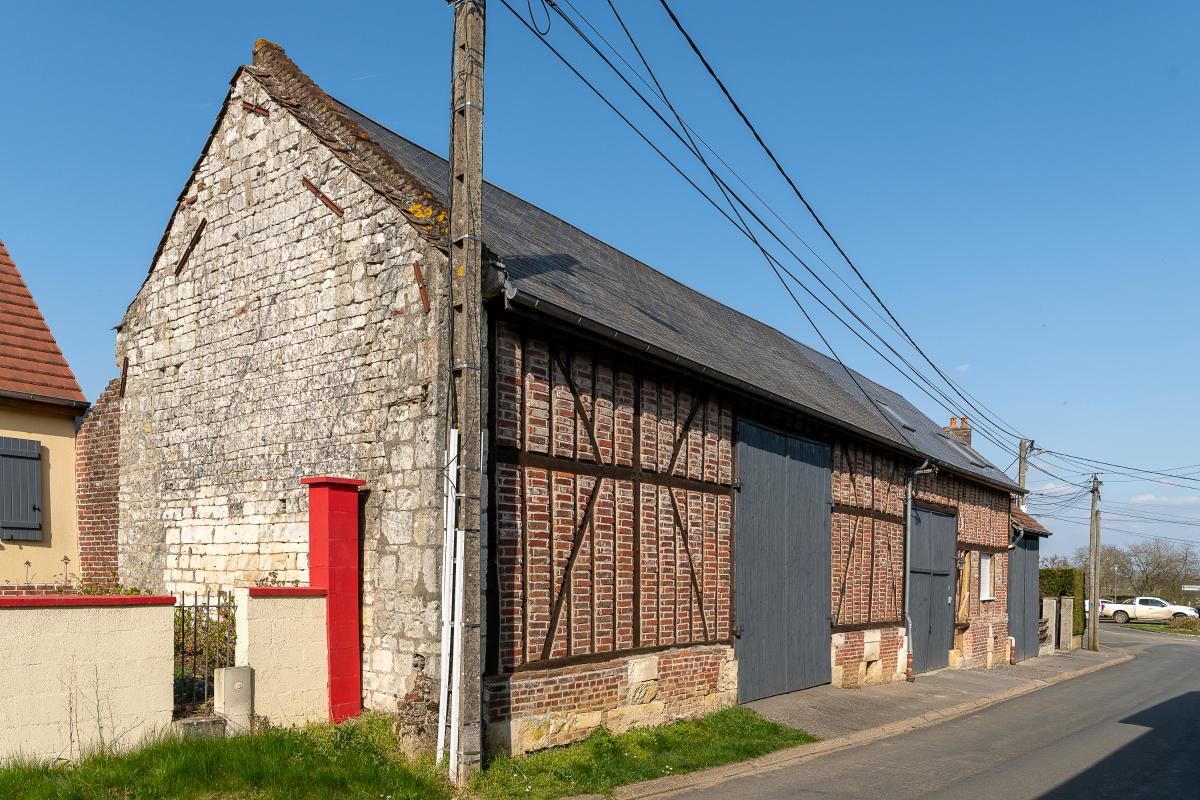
{"type": "Point", "coordinates": [187, 253]}
{"type": "Point", "coordinates": [512, 455]}
{"type": "Point", "coordinates": [576, 544]}
{"type": "Point", "coordinates": [869, 513]}
{"type": "Point", "coordinates": [687, 549]}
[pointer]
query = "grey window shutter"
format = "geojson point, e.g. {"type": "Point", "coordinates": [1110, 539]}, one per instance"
{"type": "Point", "coordinates": [20, 489]}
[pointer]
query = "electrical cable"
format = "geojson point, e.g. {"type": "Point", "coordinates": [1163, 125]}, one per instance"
{"type": "Point", "coordinates": [816, 218]}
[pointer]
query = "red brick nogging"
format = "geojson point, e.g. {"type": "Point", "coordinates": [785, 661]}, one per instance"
{"type": "Point", "coordinates": [868, 564]}
{"type": "Point", "coordinates": [97, 484]}
{"type": "Point", "coordinates": [39, 589]}
{"type": "Point", "coordinates": [653, 564]}
{"type": "Point", "coordinates": [871, 656]}
{"type": "Point", "coordinates": [545, 708]}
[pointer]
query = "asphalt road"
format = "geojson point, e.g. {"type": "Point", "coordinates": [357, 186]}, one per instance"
{"type": "Point", "coordinates": [1129, 731]}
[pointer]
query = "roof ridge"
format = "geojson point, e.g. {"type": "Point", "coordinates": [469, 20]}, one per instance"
{"type": "Point", "coordinates": [289, 86]}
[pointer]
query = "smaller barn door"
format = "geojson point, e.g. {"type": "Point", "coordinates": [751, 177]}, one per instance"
{"type": "Point", "coordinates": [1024, 600]}
{"type": "Point", "coordinates": [931, 590]}
{"type": "Point", "coordinates": [782, 562]}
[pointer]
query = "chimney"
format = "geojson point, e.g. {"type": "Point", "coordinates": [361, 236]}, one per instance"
{"type": "Point", "coordinates": [959, 433]}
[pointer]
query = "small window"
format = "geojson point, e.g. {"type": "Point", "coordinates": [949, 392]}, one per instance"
{"type": "Point", "coordinates": [986, 579]}
{"type": "Point", "coordinates": [892, 413]}
{"type": "Point", "coordinates": [1146, 601]}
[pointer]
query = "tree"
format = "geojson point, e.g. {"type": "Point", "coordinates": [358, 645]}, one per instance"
{"type": "Point", "coordinates": [1160, 568]}
{"type": "Point", "coordinates": [1056, 561]}
{"type": "Point", "coordinates": [1154, 567]}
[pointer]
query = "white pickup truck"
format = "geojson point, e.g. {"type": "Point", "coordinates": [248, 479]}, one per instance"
{"type": "Point", "coordinates": [1144, 609]}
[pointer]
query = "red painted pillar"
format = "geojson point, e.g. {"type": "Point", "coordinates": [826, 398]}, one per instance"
{"type": "Point", "coordinates": [333, 566]}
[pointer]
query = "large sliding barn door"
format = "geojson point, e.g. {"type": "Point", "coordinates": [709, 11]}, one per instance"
{"type": "Point", "coordinates": [931, 589]}
{"type": "Point", "coordinates": [1024, 597]}
{"type": "Point", "coordinates": [782, 562]}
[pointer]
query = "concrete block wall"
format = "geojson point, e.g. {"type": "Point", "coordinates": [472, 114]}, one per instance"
{"type": "Point", "coordinates": [281, 634]}
{"type": "Point", "coordinates": [83, 672]}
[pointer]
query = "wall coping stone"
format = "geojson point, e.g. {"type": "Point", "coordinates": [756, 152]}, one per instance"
{"type": "Point", "coordinates": [288, 591]}
{"type": "Point", "coordinates": [84, 600]}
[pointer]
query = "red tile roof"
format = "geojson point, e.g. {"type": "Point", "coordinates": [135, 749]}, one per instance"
{"type": "Point", "coordinates": [30, 361]}
{"type": "Point", "coordinates": [1030, 524]}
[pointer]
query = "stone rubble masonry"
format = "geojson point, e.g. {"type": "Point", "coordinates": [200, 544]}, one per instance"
{"type": "Point", "coordinates": [545, 708]}
{"type": "Point", "coordinates": [292, 342]}
{"type": "Point", "coordinates": [97, 478]}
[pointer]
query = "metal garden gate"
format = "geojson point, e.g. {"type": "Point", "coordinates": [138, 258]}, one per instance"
{"type": "Point", "coordinates": [1024, 596]}
{"type": "Point", "coordinates": [931, 588]}
{"type": "Point", "coordinates": [782, 562]}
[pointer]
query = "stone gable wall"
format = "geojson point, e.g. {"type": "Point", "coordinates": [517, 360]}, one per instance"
{"type": "Point", "coordinates": [292, 342]}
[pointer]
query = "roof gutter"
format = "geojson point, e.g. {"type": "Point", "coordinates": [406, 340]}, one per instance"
{"type": "Point", "coordinates": [515, 295]}
{"type": "Point", "coordinates": [41, 398]}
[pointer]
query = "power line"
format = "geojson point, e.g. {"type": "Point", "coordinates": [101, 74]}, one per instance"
{"type": "Point", "coordinates": [776, 265]}
{"type": "Point", "coordinates": [741, 224]}
{"type": "Point", "coordinates": [816, 218]}
{"type": "Point", "coordinates": [1085, 460]}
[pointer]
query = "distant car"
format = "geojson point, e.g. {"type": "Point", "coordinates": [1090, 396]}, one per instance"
{"type": "Point", "coordinates": [1145, 609]}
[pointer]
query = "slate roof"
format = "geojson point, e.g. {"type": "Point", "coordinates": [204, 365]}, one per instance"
{"type": "Point", "coordinates": [561, 270]}
{"type": "Point", "coordinates": [1027, 523]}
{"type": "Point", "coordinates": [31, 365]}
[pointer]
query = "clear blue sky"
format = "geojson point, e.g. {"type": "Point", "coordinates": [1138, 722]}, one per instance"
{"type": "Point", "coordinates": [1018, 180]}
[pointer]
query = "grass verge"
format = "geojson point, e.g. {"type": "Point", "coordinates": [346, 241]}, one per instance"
{"type": "Point", "coordinates": [603, 761]}
{"type": "Point", "coordinates": [1163, 628]}
{"type": "Point", "coordinates": [354, 760]}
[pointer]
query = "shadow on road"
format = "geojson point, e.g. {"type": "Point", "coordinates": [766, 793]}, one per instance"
{"type": "Point", "coordinates": [1159, 763]}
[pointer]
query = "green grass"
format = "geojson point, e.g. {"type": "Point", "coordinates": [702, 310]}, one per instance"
{"type": "Point", "coordinates": [604, 761]}
{"type": "Point", "coordinates": [1161, 628]}
{"type": "Point", "coordinates": [353, 760]}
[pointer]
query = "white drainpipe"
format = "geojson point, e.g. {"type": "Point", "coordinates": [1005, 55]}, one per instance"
{"type": "Point", "coordinates": [451, 609]}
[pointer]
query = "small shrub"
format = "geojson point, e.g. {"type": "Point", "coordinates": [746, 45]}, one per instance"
{"type": "Point", "coordinates": [1065, 582]}
{"type": "Point", "coordinates": [1191, 624]}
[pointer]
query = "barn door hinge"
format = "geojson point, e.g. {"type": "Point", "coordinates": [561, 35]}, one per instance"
{"type": "Point", "coordinates": [737, 631]}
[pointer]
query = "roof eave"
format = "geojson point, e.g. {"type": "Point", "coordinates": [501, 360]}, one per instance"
{"type": "Point", "coordinates": [42, 398]}
{"type": "Point", "coordinates": [520, 297]}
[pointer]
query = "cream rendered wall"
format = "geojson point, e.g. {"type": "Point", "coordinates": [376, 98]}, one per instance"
{"type": "Point", "coordinates": [60, 535]}
{"type": "Point", "coordinates": [76, 678]}
{"type": "Point", "coordinates": [284, 640]}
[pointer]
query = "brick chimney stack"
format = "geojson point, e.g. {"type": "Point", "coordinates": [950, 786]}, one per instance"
{"type": "Point", "coordinates": [960, 433]}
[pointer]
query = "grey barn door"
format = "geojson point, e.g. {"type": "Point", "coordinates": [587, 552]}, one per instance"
{"type": "Point", "coordinates": [1024, 596]}
{"type": "Point", "coordinates": [782, 562]}
{"type": "Point", "coordinates": [931, 588]}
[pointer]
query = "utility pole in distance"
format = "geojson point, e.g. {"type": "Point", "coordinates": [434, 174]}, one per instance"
{"type": "Point", "coordinates": [1023, 458]}
{"type": "Point", "coordinates": [466, 375]}
{"type": "Point", "coordinates": [1094, 570]}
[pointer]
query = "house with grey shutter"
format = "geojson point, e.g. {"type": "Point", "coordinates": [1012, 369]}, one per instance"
{"type": "Point", "coordinates": [40, 403]}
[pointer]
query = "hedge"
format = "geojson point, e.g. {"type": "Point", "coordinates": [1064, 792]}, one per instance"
{"type": "Point", "coordinates": [1065, 582]}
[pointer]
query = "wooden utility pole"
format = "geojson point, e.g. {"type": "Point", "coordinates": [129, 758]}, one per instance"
{"type": "Point", "coordinates": [1023, 459]}
{"type": "Point", "coordinates": [466, 368]}
{"type": "Point", "coordinates": [1094, 570]}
